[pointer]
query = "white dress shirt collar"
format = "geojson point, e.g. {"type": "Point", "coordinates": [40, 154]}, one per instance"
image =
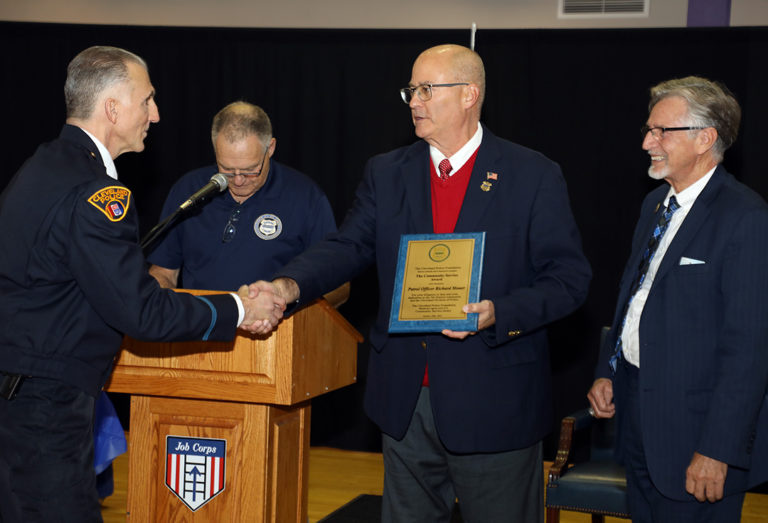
{"type": "Point", "coordinates": [462, 155]}
{"type": "Point", "coordinates": [687, 196]}
{"type": "Point", "coordinates": [106, 158]}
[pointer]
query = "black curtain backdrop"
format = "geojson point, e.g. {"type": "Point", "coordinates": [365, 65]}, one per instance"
{"type": "Point", "coordinates": [578, 96]}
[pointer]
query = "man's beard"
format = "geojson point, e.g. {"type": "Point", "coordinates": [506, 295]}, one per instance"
{"type": "Point", "coordinates": [657, 174]}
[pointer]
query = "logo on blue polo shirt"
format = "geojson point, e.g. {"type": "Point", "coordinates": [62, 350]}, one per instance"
{"type": "Point", "coordinates": [268, 226]}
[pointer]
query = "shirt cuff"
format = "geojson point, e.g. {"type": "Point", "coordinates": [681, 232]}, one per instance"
{"type": "Point", "coordinates": [240, 308]}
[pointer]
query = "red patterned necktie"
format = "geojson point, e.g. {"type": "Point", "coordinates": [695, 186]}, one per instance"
{"type": "Point", "coordinates": [445, 169]}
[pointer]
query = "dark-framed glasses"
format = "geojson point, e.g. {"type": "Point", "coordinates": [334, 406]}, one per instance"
{"type": "Point", "coordinates": [658, 132]}
{"type": "Point", "coordinates": [230, 229]}
{"type": "Point", "coordinates": [247, 174]}
{"type": "Point", "coordinates": [423, 91]}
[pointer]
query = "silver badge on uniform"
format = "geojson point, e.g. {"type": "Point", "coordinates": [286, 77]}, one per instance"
{"type": "Point", "coordinates": [268, 226]}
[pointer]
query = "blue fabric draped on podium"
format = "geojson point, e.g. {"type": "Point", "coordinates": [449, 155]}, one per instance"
{"type": "Point", "coordinates": [108, 443]}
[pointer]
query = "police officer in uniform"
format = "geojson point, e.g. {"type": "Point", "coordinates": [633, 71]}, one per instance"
{"type": "Point", "coordinates": [73, 281]}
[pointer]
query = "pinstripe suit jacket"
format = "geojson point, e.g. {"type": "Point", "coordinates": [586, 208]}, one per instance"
{"type": "Point", "coordinates": [703, 339]}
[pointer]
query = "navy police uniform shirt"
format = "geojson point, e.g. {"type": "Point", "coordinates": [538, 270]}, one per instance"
{"type": "Point", "coordinates": [73, 279]}
{"type": "Point", "coordinates": [281, 220]}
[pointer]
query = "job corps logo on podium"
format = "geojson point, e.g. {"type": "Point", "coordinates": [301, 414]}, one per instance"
{"type": "Point", "coordinates": [195, 469]}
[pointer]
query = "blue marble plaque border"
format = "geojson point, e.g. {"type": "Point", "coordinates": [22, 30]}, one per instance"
{"type": "Point", "coordinates": [413, 326]}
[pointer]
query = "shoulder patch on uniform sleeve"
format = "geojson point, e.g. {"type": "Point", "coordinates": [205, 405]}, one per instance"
{"type": "Point", "coordinates": [113, 201]}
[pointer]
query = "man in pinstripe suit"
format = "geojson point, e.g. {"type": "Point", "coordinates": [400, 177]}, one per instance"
{"type": "Point", "coordinates": [685, 368]}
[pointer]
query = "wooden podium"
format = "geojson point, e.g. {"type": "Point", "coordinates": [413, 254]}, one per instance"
{"type": "Point", "coordinates": [254, 394]}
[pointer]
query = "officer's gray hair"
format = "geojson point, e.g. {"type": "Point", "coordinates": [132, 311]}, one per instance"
{"type": "Point", "coordinates": [90, 73]}
{"type": "Point", "coordinates": [239, 120]}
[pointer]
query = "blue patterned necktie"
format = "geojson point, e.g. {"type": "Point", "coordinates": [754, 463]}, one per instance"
{"type": "Point", "coordinates": [642, 269]}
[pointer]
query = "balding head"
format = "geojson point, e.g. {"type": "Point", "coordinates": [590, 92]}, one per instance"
{"type": "Point", "coordinates": [464, 64]}
{"type": "Point", "coordinates": [447, 87]}
{"type": "Point", "coordinates": [239, 120]}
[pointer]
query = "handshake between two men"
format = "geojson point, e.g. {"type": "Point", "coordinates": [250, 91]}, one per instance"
{"type": "Point", "coordinates": [265, 302]}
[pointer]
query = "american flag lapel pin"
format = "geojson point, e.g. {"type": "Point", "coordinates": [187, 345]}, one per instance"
{"type": "Point", "coordinates": [486, 185]}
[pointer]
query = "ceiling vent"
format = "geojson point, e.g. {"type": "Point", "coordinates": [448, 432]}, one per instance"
{"type": "Point", "coordinates": [602, 8]}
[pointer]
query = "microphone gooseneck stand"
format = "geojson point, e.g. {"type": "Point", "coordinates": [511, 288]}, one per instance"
{"type": "Point", "coordinates": [217, 183]}
{"type": "Point", "coordinates": [158, 229]}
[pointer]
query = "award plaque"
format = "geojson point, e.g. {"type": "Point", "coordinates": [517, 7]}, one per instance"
{"type": "Point", "coordinates": [437, 274]}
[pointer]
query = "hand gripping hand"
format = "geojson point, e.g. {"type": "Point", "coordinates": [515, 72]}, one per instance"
{"type": "Point", "coordinates": [263, 307]}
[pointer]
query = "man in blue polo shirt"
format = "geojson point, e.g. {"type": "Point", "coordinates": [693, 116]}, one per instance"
{"type": "Point", "coordinates": [269, 214]}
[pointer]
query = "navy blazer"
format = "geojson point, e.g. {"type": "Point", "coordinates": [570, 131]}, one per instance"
{"type": "Point", "coordinates": [703, 339]}
{"type": "Point", "coordinates": [490, 392]}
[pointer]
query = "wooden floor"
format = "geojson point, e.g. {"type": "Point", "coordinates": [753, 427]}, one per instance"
{"type": "Point", "coordinates": [338, 476]}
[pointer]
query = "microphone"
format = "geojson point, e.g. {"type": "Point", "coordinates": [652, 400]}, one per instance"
{"type": "Point", "coordinates": [218, 183]}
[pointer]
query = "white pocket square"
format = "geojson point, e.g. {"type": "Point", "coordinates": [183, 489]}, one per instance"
{"type": "Point", "coordinates": [691, 261]}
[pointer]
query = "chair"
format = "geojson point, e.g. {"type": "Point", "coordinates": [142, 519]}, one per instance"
{"type": "Point", "coordinates": [597, 486]}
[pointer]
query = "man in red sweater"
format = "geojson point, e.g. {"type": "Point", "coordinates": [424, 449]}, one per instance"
{"type": "Point", "coordinates": [462, 413]}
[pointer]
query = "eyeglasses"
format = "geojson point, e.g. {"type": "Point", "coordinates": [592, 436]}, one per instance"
{"type": "Point", "coordinates": [423, 91]}
{"type": "Point", "coordinates": [658, 132]}
{"type": "Point", "coordinates": [245, 174]}
{"type": "Point", "coordinates": [230, 229]}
